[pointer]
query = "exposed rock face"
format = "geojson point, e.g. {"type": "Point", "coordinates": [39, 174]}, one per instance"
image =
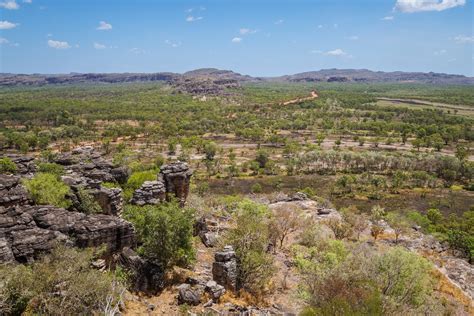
{"type": "Point", "coordinates": [151, 192]}
{"type": "Point", "coordinates": [147, 277]}
{"type": "Point", "coordinates": [207, 230]}
{"type": "Point", "coordinates": [27, 231]}
{"type": "Point", "coordinates": [224, 268]}
{"type": "Point", "coordinates": [110, 200]}
{"type": "Point", "coordinates": [12, 192]}
{"type": "Point", "coordinates": [24, 164]}
{"type": "Point", "coordinates": [215, 290]}
{"type": "Point", "coordinates": [176, 178]}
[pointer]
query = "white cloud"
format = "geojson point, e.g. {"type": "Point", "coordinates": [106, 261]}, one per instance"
{"type": "Point", "coordinates": [236, 40]}
{"type": "Point", "coordinates": [104, 26]}
{"type": "Point", "coordinates": [337, 52]}
{"type": "Point", "coordinates": [9, 5]}
{"type": "Point", "coordinates": [410, 6]}
{"type": "Point", "coordinates": [58, 44]}
{"type": "Point", "coordinates": [279, 21]}
{"type": "Point", "coordinates": [5, 25]}
{"type": "Point", "coordinates": [27, 1]}
{"type": "Point", "coordinates": [353, 37]}
{"type": "Point", "coordinates": [3, 41]}
{"type": "Point", "coordinates": [99, 46]}
{"type": "Point", "coordinates": [49, 35]}
{"type": "Point", "coordinates": [244, 31]}
{"type": "Point", "coordinates": [463, 39]}
{"type": "Point", "coordinates": [335, 25]}
{"type": "Point", "coordinates": [173, 44]}
{"type": "Point", "coordinates": [15, 44]}
{"type": "Point", "coordinates": [193, 18]}
{"type": "Point", "coordinates": [387, 18]}
{"type": "Point", "coordinates": [320, 26]}
{"type": "Point", "coordinates": [136, 50]}
{"type": "Point", "coordinates": [440, 52]}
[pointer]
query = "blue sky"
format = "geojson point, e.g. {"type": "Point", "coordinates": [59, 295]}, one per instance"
{"type": "Point", "coordinates": [255, 37]}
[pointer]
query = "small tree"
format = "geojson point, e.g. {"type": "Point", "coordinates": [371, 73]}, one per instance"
{"type": "Point", "coordinates": [340, 228]}
{"type": "Point", "coordinates": [250, 238]}
{"type": "Point", "coordinates": [165, 232]}
{"type": "Point", "coordinates": [398, 223]}
{"type": "Point", "coordinates": [262, 158]}
{"type": "Point", "coordinates": [284, 221]}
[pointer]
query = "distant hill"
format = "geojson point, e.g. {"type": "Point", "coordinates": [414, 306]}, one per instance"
{"type": "Point", "coordinates": [230, 78]}
{"type": "Point", "coordinates": [364, 75]}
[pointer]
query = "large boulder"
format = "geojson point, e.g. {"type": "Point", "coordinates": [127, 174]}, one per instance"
{"type": "Point", "coordinates": [189, 295]}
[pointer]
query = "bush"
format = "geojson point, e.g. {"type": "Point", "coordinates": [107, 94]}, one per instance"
{"type": "Point", "coordinates": [51, 167]}
{"type": "Point", "coordinates": [256, 188]}
{"type": "Point", "coordinates": [250, 238]}
{"type": "Point", "coordinates": [62, 283]}
{"type": "Point", "coordinates": [136, 180]}
{"type": "Point", "coordinates": [88, 204]}
{"type": "Point", "coordinates": [165, 233]}
{"type": "Point", "coordinates": [46, 189]}
{"type": "Point", "coordinates": [7, 166]}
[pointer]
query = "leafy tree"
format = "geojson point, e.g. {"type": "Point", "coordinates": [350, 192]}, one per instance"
{"type": "Point", "coordinates": [262, 158]}
{"type": "Point", "coordinates": [250, 238]}
{"type": "Point", "coordinates": [398, 223]}
{"type": "Point", "coordinates": [51, 167]}
{"type": "Point", "coordinates": [283, 222]}
{"type": "Point", "coordinates": [46, 188]}
{"type": "Point", "coordinates": [165, 233]}
{"type": "Point", "coordinates": [210, 150]}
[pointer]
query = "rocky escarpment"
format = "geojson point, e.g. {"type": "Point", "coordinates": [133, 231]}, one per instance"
{"type": "Point", "coordinates": [28, 230]}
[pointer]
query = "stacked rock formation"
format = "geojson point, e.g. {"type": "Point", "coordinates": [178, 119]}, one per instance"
{"type": "Point", "coordinates": [224, 268]}
{"type": "Point", "coordinates": [172, 183]}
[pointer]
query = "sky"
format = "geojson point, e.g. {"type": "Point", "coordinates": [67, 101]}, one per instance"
{"type": "Point", "coordinates": [254, 37]}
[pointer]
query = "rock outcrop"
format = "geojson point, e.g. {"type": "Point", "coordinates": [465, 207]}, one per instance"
{"type": "Point", "coordinates": [27, 231]}
{"type": "Point", "coordinates": [147, 277]}
{"type": "Point", "coordinates": [224, 268]}
{"type": "Point", "coordinates": [172, 183]}
{"type": "Point", "coordinates": [12, 192]}
{"type": "Point", "coordinates": [151, 192]}
{"type": "Point", "coordinates": [176, 178]}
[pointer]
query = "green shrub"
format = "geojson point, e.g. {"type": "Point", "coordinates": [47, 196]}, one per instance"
{"type": "Point", "coordinates": [51, 167]}
{"type": "Point", "coordinates": [45, 188]}
{"type": "Point", "coordinates": [165, 232]}
{"type": "Point", "coordinates": [256, 188]}
{"type": "Point", "coordinates": [88, 204]}
{"type": "Point", "coordinates": [62, 283]}
{"type": "Point", "coordinates": [250, 238]}
{"type": "Point", "coordinates": [7, 165]}
{"type": "Point", "coordinates": [136, 180]}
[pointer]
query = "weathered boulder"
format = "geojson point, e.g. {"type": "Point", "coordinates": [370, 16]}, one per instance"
{"type": "Point", "coordinates": [207, 230]}
{"type": "Point", "coordinates": [151, 192]}
{"type": "Point", "coordinates": [215, 290]}
{"type": "Point", "coordinates": [146, 277]}
{"type": "Point", "coordinates": [12, 192]}
{"type": "Point", "coordinates": [27, 231]}
{"type": "Point", "coordinates": [189, 295]}
{"type": "Point", "coordinates": [176, 178]}
{"type": "Point", "coordinates": [224, 268]}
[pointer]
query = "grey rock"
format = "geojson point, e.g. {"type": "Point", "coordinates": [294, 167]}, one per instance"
{"type": "Point", "coordinates": [188, 295]}
{"type": "Point", "coordinates": [215, 290]}
{"type": "Point", "coordinates": [224, 268]}
{"type": "Point", "coordinates": [176, 178]}
{"type": "Point", "coordinates": [151, 192]}
{"type": "Point", "coordinates": [147, 277]}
